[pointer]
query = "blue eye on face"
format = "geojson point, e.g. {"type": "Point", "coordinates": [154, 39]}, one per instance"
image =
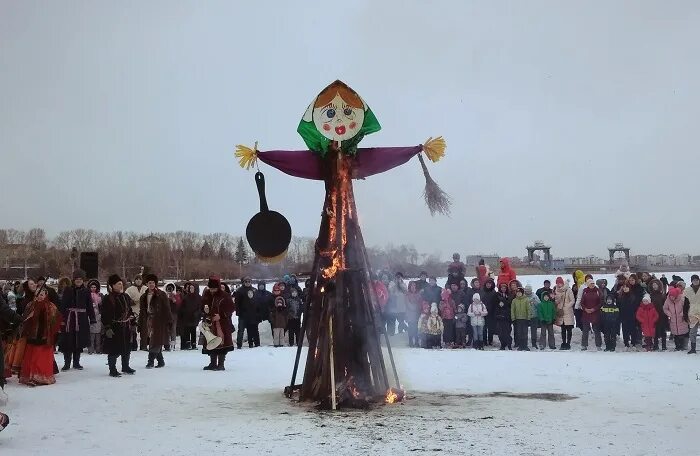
{"type": "Point", "coordinates": [347, 111]}
{"type": "Point", "coordinates": [330, 113]}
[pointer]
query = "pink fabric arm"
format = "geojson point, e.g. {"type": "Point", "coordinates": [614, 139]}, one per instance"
{"type": "Point", "coordinates": [368, 161]}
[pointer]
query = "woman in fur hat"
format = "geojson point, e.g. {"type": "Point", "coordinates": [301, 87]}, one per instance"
{"type": "Point", "coordinates": [156, 318]}
{"type": "Point", "coordinates": [40, 327]}
{"type": "Point", "coordinates": [217, 310]}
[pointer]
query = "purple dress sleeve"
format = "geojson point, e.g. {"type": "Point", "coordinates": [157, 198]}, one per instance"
{"type": "Point", "coordinates": [374, 160]}
{"type": "Point", "coordinates": [368, 161]}
{"type": "Point", "coordinates": [297, 163]}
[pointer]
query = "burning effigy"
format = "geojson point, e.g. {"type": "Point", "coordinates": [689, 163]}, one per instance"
{"type": "Point", "coordinates": [345, 364]}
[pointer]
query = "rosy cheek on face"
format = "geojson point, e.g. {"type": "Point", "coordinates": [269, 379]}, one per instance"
{"type": "Point", "coordinates": [326, 127]}
{"type": "Point", "coordinates": [353, 125]}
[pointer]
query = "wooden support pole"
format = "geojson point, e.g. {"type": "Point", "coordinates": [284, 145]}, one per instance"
{"type": "Point", "coordinates": [334, 404]}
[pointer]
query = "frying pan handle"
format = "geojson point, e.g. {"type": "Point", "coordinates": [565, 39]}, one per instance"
{"type": "Point", "coordinates": [260, 183]}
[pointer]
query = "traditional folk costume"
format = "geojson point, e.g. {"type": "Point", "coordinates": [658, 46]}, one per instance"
{"type": "Point", "coordinates": [41, 324]}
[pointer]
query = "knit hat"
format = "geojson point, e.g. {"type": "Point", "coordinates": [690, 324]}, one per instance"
{"type": "Point", "coordinates": [460, 308]}
{"type": "Point", "coordinates": [214, 282]}
{"type": "Point", "coordinates": [476, 297]}
{"type": "Point", "coordinates": [674, 292]}
{"type": "Point", "coordinates": [433, 308]}
{"type": "Point", "coordinates": [113, 279]}
{"type": "Point", "coordinates": [528, 290]}
{"type": "Point", "coordinates": [151, 278]}
{"type": "Point", "coordinates": [560, 281]}
{"type": "Point", "coordinates": [546, 293]}
{"type": "Point", "coordinates": [445, 295]}
{"type": "Point", "coordinates": [521, 290]}
{"type": "Point", "coordinates": [646, 298]}
{"type": "Point", "coordinates": [94, 282]}
{"type": "Point", "coordinates": [590, 282]}
{"type": "Point", "coordinates": [78, 274]}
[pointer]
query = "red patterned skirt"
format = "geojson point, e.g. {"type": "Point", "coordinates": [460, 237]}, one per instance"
{"type": "Point", "coordinates": [37, 366]}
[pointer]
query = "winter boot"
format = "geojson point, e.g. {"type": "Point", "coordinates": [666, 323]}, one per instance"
{"type": "Point", "coordinates": [563, 346]}
{"type": "Point", "coordinates": [212, 364]}
{"type": "Point", "coordinates": [692, 349]}
{"type": "Point", "coordinates": [76, 361]}
{"type": "Point", "coordinates": [161, 361]}
{"type": "Point", "coordinates": [112, 363]}
{"type": "Point", "coordinates": [66, 361]}
{"type": "Point", "coordinates": [151, 360]}
{"type": "Point", "coordinates": [222, 359]}
{"type": "Point", "coordinates": [125, 364]}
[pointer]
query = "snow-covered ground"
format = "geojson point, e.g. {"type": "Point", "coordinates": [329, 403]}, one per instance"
{"type": "Point", "coordinates": [621, 403]}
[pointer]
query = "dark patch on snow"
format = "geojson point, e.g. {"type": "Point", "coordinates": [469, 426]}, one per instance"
{"type": "Point", "coordinates": [434, 398]}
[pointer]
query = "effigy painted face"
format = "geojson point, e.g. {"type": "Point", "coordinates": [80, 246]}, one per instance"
{"type": "Point", "coordinates": [338, 120]}
{"type": "Point", "coordinates": [336, 115]}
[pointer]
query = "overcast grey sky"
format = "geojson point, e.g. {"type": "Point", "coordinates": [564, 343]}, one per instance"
{"type": "Point", "coordinates": [571, 122]}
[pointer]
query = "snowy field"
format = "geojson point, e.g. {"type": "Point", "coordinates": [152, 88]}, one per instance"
{"type": "Point", "coordinates": [598, 403]}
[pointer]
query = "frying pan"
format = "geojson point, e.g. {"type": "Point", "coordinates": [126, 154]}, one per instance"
{"type": "Point", "coordinates": [268, 232]}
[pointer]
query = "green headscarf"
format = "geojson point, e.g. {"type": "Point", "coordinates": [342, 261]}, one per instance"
{"type": "Point", "coordinates": [318, 143]}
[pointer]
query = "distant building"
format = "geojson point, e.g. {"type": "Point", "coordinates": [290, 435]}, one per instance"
{"type": "Point", "coordinates": [583, 261]}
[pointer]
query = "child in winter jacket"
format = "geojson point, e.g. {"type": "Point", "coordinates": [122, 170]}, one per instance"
{"type": "Point", "coordinates": [534, 320]}
{"type": "Point", "coordinates": [520, 314]}
{"type": "Point", "coordinates": [461, 319]}
{"type": "Point", "coordinates": [647, 317]}
{"type": "Point", "coordinates": [610, 318]}
{"type": "Point", "coordinates": [448, 308]}
{"type": "Point", "coordinates": [478, 312]}
{"type": "Point", "coordinates": [423, 325]}
{"type": "Point", "coordinates": [279, 320]}
{"type": "Point", "coordinates": [433, 327]}
{"type": "Point", "coordinates": [546, 314]}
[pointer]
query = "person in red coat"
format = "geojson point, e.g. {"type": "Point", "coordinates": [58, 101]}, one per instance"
{"type": "Point", "coordinates": [507, 273]}
{"type": "Point", "coordinates": [217, 309]}
{"type": "Point", "coordinates": [647, 317]}
{"type": "Point", "coordinates": [591, 302]}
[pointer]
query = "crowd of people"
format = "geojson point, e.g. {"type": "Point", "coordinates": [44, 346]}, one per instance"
{"type": "Point", "coordinates": [640, 310]}
{"type": "Point", "coordinates": [37, 321]}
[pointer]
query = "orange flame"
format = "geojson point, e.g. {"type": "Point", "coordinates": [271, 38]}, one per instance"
{"type": "Point", "coordinates": [332, 270]}
{"type": "Point", "coordinates": [394, 395]}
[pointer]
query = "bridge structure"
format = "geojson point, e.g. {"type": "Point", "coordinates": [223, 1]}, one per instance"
{"type": "Point", "coordinates": [540, 246]}
{"type": "Point", "coordinates": [619, 247]}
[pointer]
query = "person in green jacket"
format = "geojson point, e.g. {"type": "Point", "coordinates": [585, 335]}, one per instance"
{"type": "Point", "coordinates": [547, 313]}
{"type": "Point", "coordinates": [521, 314]}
